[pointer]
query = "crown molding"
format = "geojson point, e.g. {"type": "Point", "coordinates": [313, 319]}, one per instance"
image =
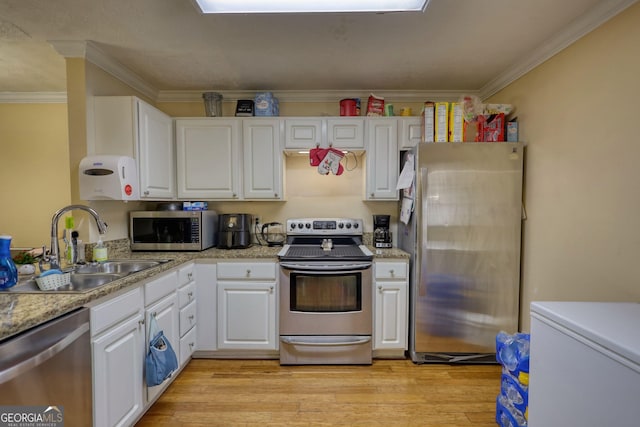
{"type": "Point", "coordinates": [317, 95]}
{"type": "Point", "coordinates": [580, 27]}
{"type": "Point", "coordinates": [92, 53]}
{"type": "Point", "coordinates": [33, 97]}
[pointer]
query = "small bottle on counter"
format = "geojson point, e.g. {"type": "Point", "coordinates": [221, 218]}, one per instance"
{"type": "Point", "coordinates": [8, 270]}
{"type": "Point", "coordinates": [100, 251]}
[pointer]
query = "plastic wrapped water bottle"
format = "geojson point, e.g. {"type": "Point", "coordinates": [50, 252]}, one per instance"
{"type": "Point", "coordinates": [512, 351]}
{"type": "Point", "coordinates": [8, 270]}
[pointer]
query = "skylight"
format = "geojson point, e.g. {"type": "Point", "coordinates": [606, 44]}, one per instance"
{"type": "Point", "coordinates": [310, 6]}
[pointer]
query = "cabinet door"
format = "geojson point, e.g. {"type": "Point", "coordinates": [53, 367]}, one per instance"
{"type": "Point", "coordinates": [187, 346]}
{"type": "Point", "coordinates": [208, 158]}
{"type": "Point", "coordinates": [206, 307]}
{"type": "Point", "coordinates": [382, 159]}
{"type": "Point", "coordinates": [156, 157]}
{"type": "Point", "coordinates": [410, 132]}
{"type": "Point", "coordinates": [303, 134]}
{"type": "Point", "coordinates": [118, 374]}
{"type": "Point", "coordinates": [262, 151]}
{"type": "Point", "coordinates": [166, 312]}
{"type": "Point", "coordinates": [390, 329]}
{"type": "Point", "coordinates": [346, 133]}
{"type": "Point", "coordinates": [247, 315]}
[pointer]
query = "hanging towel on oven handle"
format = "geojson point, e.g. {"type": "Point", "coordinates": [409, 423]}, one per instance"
{"type": "Point", "coordinates": [161, 360]}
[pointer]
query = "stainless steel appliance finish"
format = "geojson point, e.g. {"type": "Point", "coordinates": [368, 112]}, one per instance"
{"type": "Point", "coordinates": [173, 230]}
{"type": "Point", "coordinates": [325, 294]}
{"type": "Point", "coordinates": [235, 231]}
{"type": "Point", "coordinates": [464, 241]}
{"type": "Point", "coordinates": [50, 365]}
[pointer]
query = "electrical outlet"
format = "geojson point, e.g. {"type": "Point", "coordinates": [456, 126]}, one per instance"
{"type": "Point", "coordinates": [257, 220]}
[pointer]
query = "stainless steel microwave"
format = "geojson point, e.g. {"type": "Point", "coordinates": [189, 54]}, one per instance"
{"type": "Point", "coordinates": [173, 230]}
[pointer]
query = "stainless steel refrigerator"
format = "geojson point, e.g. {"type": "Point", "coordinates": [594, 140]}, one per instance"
{"type": "Point", "coordinates": [464, 211]}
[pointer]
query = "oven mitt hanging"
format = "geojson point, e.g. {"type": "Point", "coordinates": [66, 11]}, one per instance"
{"type": "Point", "coordinates": [331, 162]}
{"type": "Point", "coordinates": [161, 360]}
{"type": "Point", "coordinates": [316, 155]}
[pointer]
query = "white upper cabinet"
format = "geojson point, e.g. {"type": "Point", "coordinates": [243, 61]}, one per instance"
{"type": "Point", "coordinates": [208, 158]}
{"type": "Point", "coordinates": [410, 132]}
{"type": "Point", "coordinates": [128, 126]}
{"type": "Point", "coordinates": [262, 159]}
{"type": "Point", "coordinates": [156, 157]}
{"type": "Point", "coordinates": [382, 159]}
{"type": "Point", "coordinates": [338, 132]}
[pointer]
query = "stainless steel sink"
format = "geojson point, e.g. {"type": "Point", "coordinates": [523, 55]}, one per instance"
{"type": "Point", "coordinates": [79, 283]}
{"type": "Point", "coordinates": [89, 276]}
{"type": "Point", "coordinates": [124, 266]}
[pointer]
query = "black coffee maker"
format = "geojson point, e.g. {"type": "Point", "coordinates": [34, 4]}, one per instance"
{"type": "Point", "coordinates": [381, 233]}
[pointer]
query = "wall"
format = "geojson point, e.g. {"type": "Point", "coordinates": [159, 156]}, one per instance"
{"type": "Point", "coordinates": [578, 114]}
{"type": "Point", "coordinates": [34, 147]}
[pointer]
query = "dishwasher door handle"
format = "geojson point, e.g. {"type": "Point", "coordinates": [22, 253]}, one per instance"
{"type": "Point", "coordinates": [43, 355]}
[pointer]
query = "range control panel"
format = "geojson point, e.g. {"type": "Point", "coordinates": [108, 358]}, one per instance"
{"type": "Point", "coordinates": [324, 226]}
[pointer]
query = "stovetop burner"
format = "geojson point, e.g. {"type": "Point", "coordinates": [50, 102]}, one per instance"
{"type": "Point", "coordinates": [328, 239]}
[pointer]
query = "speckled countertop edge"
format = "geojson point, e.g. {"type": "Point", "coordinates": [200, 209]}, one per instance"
{"type": "Point", "coordinates": [21, 311]}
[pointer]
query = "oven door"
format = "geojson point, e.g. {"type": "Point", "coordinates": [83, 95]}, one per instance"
{"type": "Point", "coordinates": [325, 313]}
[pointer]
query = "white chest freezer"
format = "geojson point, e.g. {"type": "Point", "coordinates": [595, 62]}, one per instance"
{"type": "Point", "coordinates": [584, 364]}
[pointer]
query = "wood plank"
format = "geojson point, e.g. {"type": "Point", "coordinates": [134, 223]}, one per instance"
{"type": "Point", "coordinates": [211, 392]}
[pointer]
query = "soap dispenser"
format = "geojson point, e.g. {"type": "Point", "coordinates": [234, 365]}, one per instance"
{"type": "Point", "coordinates": [8, 270]}
{"type": "Point", "coordinates": [100, 251]}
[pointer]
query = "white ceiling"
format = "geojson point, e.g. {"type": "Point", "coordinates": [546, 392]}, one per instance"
{"type": "Point", "coordinates": [456, 45]}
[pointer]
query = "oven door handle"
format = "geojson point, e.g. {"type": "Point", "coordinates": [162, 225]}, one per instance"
{"type": "Point", "coordinates": [326, 267]}
{"type": "Point", "coordinates": [355, 340]}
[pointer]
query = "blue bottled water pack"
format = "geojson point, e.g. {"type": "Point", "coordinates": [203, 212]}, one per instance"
{"type": "Point", "coordinates": [512, 351]}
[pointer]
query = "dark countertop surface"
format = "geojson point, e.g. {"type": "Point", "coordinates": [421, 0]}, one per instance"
{"type": "Point", "coordinates": [21, 311]}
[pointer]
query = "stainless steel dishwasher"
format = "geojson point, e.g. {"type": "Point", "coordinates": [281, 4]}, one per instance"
{"type": "Point", "coordinates": [50, 366]}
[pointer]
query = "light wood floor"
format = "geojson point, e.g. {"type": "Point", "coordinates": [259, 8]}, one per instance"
{"type": "Point", "coordinates": [388, 393]}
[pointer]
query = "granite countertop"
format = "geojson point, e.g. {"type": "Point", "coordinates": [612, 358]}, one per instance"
{"type": "Point", "coordinates": [21, 311]}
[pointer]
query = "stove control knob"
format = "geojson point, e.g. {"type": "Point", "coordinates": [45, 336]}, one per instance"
{"type": "Point", "coordinates": [341, 225]}
{"type": "Point", "coordinates": [307, 225]}
{"type": "Point", "coordinates": [348, 225]}
{"type": "Point", "coordinates": [356, 225]}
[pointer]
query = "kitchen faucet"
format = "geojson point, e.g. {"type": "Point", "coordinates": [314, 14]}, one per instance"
{"type": "Point", "coordinates": [54, 253]}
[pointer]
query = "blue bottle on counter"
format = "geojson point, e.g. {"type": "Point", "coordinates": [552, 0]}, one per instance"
{"type": "Point", "coordinates": [8, 270]}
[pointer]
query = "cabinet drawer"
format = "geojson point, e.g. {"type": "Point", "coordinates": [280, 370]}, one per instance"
{"type": "Point", "coordinates": [391, 270]}
{"type": "Point", "coordinates": [187, 346]}
{"type": "Point", "coordinates": [247, 271]}
{"type": "Point", "coordinates": [160, 287]}
{"type": "Point", "coordinates": [186, 294]}
{"type": "Point", "coordinates": [116, 310]}
{"type": "Point", "coordinates": [186, 274]}
{"type": "Point", "coordinates": [187, 318]}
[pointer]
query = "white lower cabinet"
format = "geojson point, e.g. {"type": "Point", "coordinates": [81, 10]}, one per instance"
{"type": "Point", "coordinates": [117, 341]}
{"type": "Point", "coordinates": [246, 306]}
{"type": "Point", "coordinates": [161, 302]}
{"type": "Point", "coordinates": [390, 306]}
{"type": "Point", "coordinates": [188, 309]}
{"type": "Point", "coordinates": [206, 308]}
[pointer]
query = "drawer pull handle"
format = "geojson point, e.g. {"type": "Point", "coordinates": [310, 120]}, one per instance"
{"type": "Point", "coordinates": [190, 295]}
{"type": "Point", "coordinates": [191, 318]}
